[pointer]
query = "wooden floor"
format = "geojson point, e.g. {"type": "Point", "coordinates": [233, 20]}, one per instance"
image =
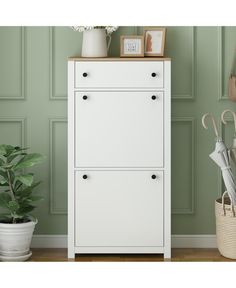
{"type": "Point", "coordinates": [58, 255]}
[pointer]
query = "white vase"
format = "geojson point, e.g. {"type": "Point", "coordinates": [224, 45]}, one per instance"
{"type": "Point", "coordinates": [95, 43]}
{"type": "Point", "coordinates": [15, 240]}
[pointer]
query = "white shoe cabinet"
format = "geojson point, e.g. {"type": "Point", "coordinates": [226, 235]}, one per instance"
{"type": "Point", "coordinates": [119, 156]}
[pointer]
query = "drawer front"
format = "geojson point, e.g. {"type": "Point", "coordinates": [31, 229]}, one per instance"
{"type": "Point", "coordinates": [119, 129]}
{"type": "Point", "coordinates": [119, 74]}
{"type": "Point", "coordinates": [119, 208]}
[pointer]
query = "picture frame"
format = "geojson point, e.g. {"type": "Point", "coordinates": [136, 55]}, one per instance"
{"type": "Point", "coordinates": [132, 46]}
{"type": "Point", "coordinates": [154, 41]}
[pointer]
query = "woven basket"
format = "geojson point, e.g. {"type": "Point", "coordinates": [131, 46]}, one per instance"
{"type": "Point", "coordinates": [226, 226]}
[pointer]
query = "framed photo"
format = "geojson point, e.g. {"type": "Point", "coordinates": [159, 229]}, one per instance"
{"type": "Point", "coordinates": [154, 41]}
{"type": "Point", "coordinates": [131, 46]}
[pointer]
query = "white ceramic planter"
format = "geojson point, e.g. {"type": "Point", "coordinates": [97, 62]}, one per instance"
{"type": "Point", "coordinates": [95, 43]}
{"type": "Point", "coordinates": [15, 240]}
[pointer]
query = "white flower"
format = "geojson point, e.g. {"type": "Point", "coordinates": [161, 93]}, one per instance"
{"type": "Point", "coordinates": [78, 28]}
{"type": "Point", "coordinates": [109, 29]}
{"type": "Point", "coordinates": [89, 27]}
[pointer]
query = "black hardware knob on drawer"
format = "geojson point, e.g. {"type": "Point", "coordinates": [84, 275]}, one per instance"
{"type": "Point", "coordinates": [154, 176]}
{"type": "Point", "coordinates": [85, 176]}
{"type": "Point", "coordinates": [85, 97]}
{"type": "Point", "coordinates": [154, 74]}
{"type": "Point", "coordinates": [154, 97]}
{"type": "Point", "coordinates": [85, 74]}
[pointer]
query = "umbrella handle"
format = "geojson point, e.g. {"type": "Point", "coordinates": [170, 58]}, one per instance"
{"type": "Point", "coordinates": [213, 123]}
{"type": "Point", "coordinates": [223, 204]}
{"type": "Point", "coordinates": [223, 119]}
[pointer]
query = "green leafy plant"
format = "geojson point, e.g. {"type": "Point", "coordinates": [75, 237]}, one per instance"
{"type": "Point", "coordinates": [16, 194]}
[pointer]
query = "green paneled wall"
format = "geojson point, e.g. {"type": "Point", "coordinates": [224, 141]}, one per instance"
{"type": "Point", "coordinates": [33, 113]}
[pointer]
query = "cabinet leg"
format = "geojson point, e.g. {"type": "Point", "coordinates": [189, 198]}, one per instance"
{"type": "Point", "coordinates": [167, 255]}
{"type": "Point", "coordinates": [71, 254]}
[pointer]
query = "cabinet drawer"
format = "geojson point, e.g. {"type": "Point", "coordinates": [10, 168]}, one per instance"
{"type": "Point", "coordinates": [119, 208]}
{"type": "Point", "coordinates": [119, 74]}
{"type": "Point", "coordinates": [119, 129]}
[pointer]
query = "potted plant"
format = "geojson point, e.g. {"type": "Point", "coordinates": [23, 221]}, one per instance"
{"type": "Point", "coordinates": [17, 201]}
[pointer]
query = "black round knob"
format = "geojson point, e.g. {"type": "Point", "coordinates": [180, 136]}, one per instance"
{"type": "Point", "coordinates": [85, 97]}
{"type": "Point", "coordinates": [154, 176]}
{"type": "Point", "coordinates": [154, 74]}
{"type": "Point", "coordinates": [85, 74]}
{"type": "Point", "coordinates": [154, 97]}
{"type": "Point", "coordinates": [85, 176]}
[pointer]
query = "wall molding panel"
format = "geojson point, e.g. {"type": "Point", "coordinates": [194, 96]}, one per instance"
{"type": "Point", "coordinates": [22, 122]}
{"type": "Point", "coordinates": [53, 95]}
{"type": "Point", "coordinates": [191, 122]}
{"type": "Point", "coordinates": [23, 63]}
{"type": "Point", "coordinates": [191, 96]}
{"type": "Point", "coordinates": [52, 158]}
{"type": "Point", "coordinates": [20, 95]}
{"type": "Point", "coordinates": [221, 63]}
{"type": "Point", "coordinates": [221, 48]}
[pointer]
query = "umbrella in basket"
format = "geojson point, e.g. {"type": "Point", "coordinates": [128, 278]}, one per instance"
{"type": "Point", "coordinates": [220, 157]}
{"type": "Point", "coordinates": [232, 150]}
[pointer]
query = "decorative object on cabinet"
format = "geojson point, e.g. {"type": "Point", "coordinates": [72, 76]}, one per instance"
{"type": "Point", "coordinates": [232, 80]}
{"type": "Point", "coordinates": [131, 46]}
{"type": "Point", "coordinates": [17, 200]}
{"type": "Point", "coordinates": [95, 38]}
{"type": "Point", "coordinates": [119, 155]}
{"type": "Point", "coordinates": [154, 41]}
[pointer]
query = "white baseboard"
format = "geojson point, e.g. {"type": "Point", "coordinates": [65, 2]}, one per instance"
{"type": "Point", "coordinates": [177, 241]}
{"type": "Point", "coordinates": [193, 241]}
{"type": "Point", "coordinates": [49, 241]}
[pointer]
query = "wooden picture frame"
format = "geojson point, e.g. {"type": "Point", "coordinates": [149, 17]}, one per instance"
{"type": "Point", "coordinates": [154, 41]}
{"type": "Point", "coordinates": [132, 46]}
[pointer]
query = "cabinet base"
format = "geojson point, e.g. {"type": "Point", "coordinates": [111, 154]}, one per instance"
{"type": "Point", "coordinates": [120, 250]}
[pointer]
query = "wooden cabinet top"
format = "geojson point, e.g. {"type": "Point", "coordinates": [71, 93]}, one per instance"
{"type": "Point", "coordinates": [119, 59]}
